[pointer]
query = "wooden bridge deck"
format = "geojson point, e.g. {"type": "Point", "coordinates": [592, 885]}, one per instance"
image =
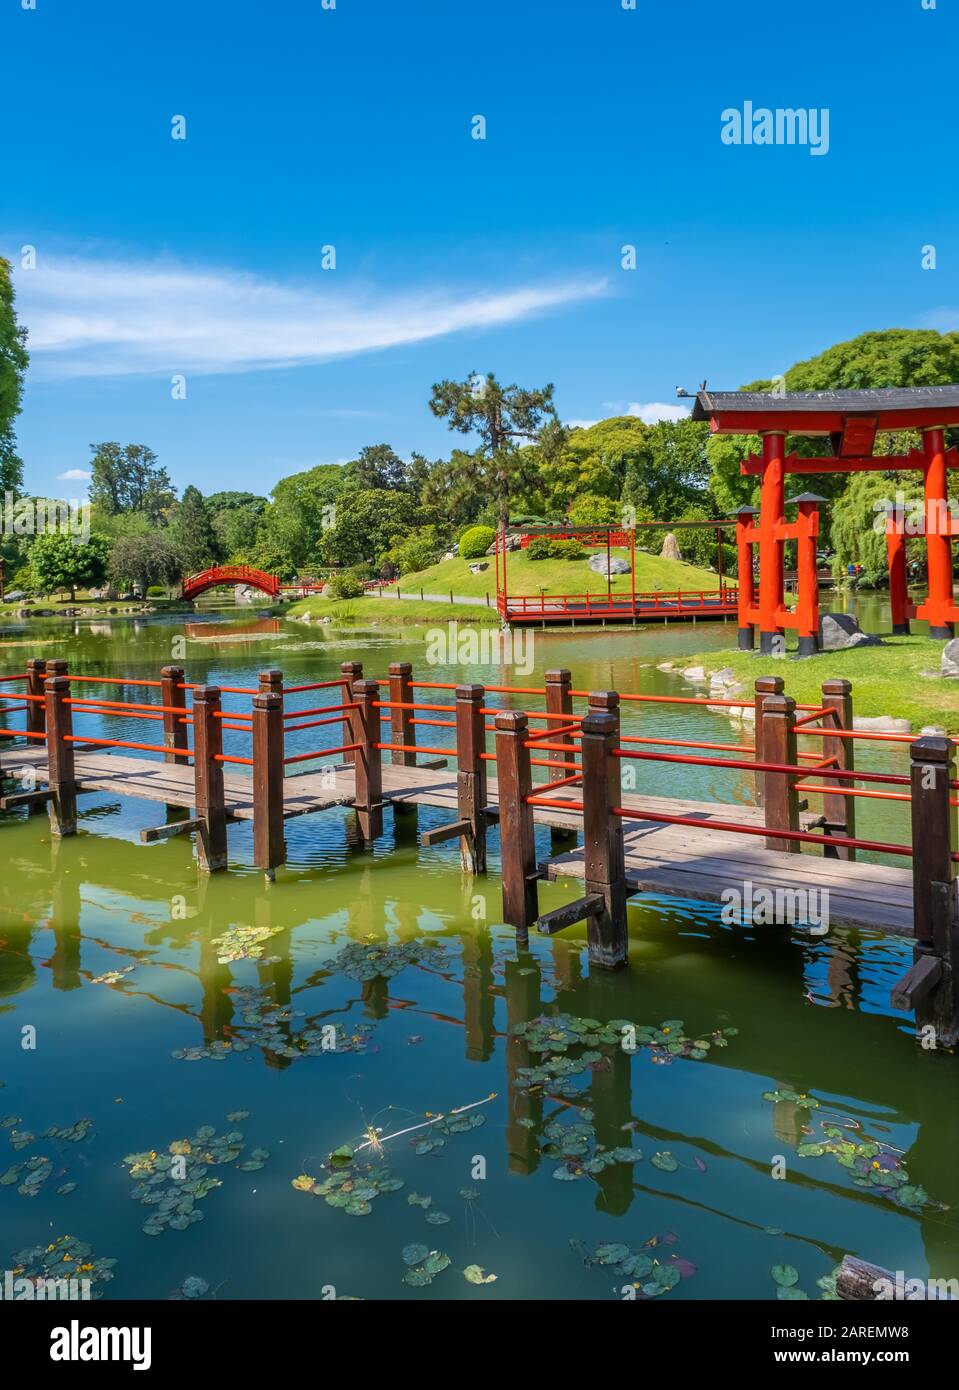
{"type": "Point", "coordinates": [673, 860]}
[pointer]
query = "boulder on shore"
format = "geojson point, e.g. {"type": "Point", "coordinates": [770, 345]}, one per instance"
{"type": "Point", "coordinates": [949, 663]}
{"type": "Point", "coordinates": [597, 563]}
{"type": "Point", "coordinates": [838, 631]}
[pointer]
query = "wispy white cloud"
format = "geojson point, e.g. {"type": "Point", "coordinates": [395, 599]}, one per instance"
{"type": "Point", "coordinates": [74, 475]}
{"type": "Point", "coordinates": [108, 318]}
{"type": "Point", "coordinates": [656, 410]}
{"type": "Point", "coordinates": [649, 413]}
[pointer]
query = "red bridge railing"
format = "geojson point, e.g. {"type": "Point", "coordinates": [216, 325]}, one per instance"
{"type": "Point", "coordinates": [216, 575]}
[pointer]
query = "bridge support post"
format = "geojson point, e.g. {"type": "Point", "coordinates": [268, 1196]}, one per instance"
{"type": "Point", "coordinates": [765, 685]}
{"type": "Point", "coordinates": [603, 838]}
{"type": "Point", "coordinates": [351, 671]}
{"type": "Point", "coordinates": [61, 774]}
{"type": "Point", "coordinates": [269, 848]}
{"type": "Point", "coordinates": [471, 775]}
{"type": "Point", "coordinates": [36, 705]}
{"type": "Point", "coordinates": [368, 797]}
{"type": "Point", "coordinates": [173, 698]}
{"type": "Point", "coordinates": [517, 840]}
{"type": "Point", "coordinates": [839, 811]}
{"type": "Point", "coordinates": [211, 847]}
{"type": "Point", "coordinates": [780, 798]}
{"type": "Point", "coordinates": [930, 987]}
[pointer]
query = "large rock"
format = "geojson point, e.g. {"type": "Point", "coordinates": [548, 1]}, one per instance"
{"type": "Point", "coordinates": [616, 566]}
{"type": "Point", "coordinates": [949, 662]}
{"type": "Point", "coordinates": [837, 631]}
{"type": "Point", "coordinates": [670, 550]}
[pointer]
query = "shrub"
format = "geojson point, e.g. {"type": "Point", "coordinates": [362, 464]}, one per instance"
{"type": "Point", "coordinates": [543, 548]}
{"type": "Point", "coordinates": [346, 585]}
{"type": "Point", "coordinates": [539, 548]}
{"type": "Point", "coordinates": [567, 550]}
{"type": "Point", "coordinates": [476, 541]}
{"type": "Point", "coordinates": [156, 591]}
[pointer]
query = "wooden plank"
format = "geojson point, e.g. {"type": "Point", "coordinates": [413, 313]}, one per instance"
{"type": "Point", "coordinates": [439, 833]}
{"type": "Point", "coordinates": [576, 911]}
{"type": "Point", "coordinates": [166, 832]}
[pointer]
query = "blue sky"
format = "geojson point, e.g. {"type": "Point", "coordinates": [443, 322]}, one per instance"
{"type": "Point", "coordinates": [351, 127]}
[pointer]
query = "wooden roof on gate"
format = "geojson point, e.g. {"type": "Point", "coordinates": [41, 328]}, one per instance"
{"type": "Point", "coordinates": [838, 413]}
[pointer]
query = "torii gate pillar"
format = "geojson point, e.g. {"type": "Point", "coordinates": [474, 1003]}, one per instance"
{"type": "Point", "coordinates": [772, 517]}
{"type": "Point", "coordinates": [938, 608]}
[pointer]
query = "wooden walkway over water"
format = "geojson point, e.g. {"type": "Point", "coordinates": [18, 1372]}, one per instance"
{"type": "Point", "coordinates": [615, 842]}
{"type": "Point", "coordinates": [678, 861]}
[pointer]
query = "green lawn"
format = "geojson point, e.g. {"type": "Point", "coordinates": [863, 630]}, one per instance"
{"type": "Point", "coordinates": [525, 576]}
{"type": "Point", "coordinates": [361, 612]}
{"type": "Point", "coordinates": [885, 680]}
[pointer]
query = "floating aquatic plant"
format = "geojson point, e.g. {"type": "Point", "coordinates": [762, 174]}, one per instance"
{"type": "Point", "coordinates": [175, 1181]}
{"type": "Point", "coordinates": [268, 1023]}
{"type": "Point", "coordinates": [571, 1046]}
{"type": "Point", "coordinates": [647, 1274]}
{"type": "Point", "coordinates": [64, 1258]}
{"type": "Point", "coordinates": [374, 960]}
{"type": "Point", "coordinates": [423, 1264]}
{"type": "Point", "coordinates": [352, 1188]}
{"type": "Point", "coordinates": [243, 943]}
{"type": "Point", "coordinates": [112, 977]}
{"type": "Point", "coordinates": [874, 1164]}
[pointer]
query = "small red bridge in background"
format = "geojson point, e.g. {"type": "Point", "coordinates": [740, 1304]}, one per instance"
{"type": "Point", "coordinates": [218, 576]}
{"type": "Point", "coordinates": [195, 584]}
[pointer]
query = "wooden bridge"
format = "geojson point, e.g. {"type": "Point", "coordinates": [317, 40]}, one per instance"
{"type": "Point", "coordinates": [614, 843]}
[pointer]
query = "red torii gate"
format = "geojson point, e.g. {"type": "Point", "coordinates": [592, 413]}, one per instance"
{"type": "Point", "coordinates": [850, 420]}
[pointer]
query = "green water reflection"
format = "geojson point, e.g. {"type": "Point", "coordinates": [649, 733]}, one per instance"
{"type": "Point", "coordinates": [810, 1015]}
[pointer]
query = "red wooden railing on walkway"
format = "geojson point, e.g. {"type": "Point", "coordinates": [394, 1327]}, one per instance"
{"type": "Point", "coordinates": [583, 752]}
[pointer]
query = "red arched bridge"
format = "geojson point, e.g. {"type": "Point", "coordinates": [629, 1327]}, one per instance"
{"type": "Point", "coordinates": [216, 575]}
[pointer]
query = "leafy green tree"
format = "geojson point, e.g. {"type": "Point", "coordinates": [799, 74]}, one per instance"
{"type": "Point", "coordinates": [595, 460]}
{"type": "Point", "coordinates": [500, 415]}
{"type": "Point", "coordinates": [236, 519]}
{"type": "Point", "coordinates": [376, 466]}
{"type": "Point", "coordinates": [672, 472]}
{"type": "Point", "coordinates": [60, 561]}
{"type": "Point", "coordinates": [367, 524]}
{"type": "Point", "coordinates": [591, 509]}
{"type": "Point", "coordinates": [142, 560]}
{"type": "Point", "coordinates": [192, 534]}
{"type": "Point", "coordinates": [13, 365]}
{"type": "Point", "coordinates": [128, 478]}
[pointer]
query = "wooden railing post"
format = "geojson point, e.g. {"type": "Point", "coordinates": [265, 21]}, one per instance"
{"type": "Point", "coordinates": [558, 701]}
{"type": "Point", "coordinates": [173, 697]}
{"type": "Point", "coordinates": [930, 987]}
{"type": "Point", "coordinates": [269, 848]}
{"type": "Point", "coordinates": [368, 794]}
{"type": "Point", "coordinates": [780, 798]}
{"type": "Point", "coordinates": [471, 775]}
{"type": "Point", "coordinates": [36, 708]}
{"type": "Point", "coordinates": [351, 671]}
{"type": "Point", "coordinates": [517, 841]}
{"type": "Point", "coordinates": [839, 811]}
{"type": "Point", "coordinates": [61, 776]}
{"type": "Point", "coordinates": [271, 683]}
{"type": "Point", "coordinates": [211, 847]}
{"type": "Point", "coordinates": [402, 728]}
{"type": "Point", "coordinates": [765, 685]}
{"type": "Point", "coordinates": [603, 839]}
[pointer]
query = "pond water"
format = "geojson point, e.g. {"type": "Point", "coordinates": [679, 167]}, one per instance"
{"type": "Point", "coordinates": [387, 994]}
